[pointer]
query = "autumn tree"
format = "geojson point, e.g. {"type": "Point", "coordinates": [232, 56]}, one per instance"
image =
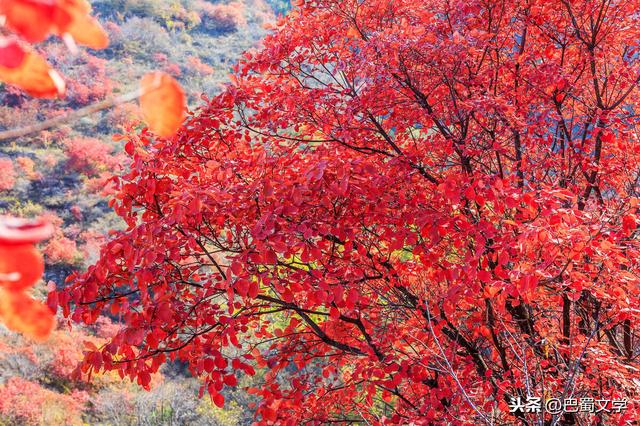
{"type": "Point", "coordinates": [416, 211]}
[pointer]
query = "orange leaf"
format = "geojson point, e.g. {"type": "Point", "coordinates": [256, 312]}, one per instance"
{"type": "Point", "coordinates": [36, 19]}
{"type": "Point", "coordinates": [66, 12]}
{"type": "Point", "coordinates": [24, 314]}
{"type": "Point", "coordinates": [162, 103]}
{"type": "Point", "coordinates": [353, 32]}
{"type": "Point", "coordinates": [34, 76]}
{"type": "Point", "coordinates": [32, 19]}
{"type": "Point", "coordinates": [87, 31]}
{"type": "Point", "coordinates": [72, 18]}
{"type": "Point", "coordinates": [20, 266]}
{"type": "Point", "coordinates": [491, 291]}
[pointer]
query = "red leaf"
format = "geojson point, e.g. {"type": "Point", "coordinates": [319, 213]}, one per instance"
{"type": "Point", "coordinates": [230, 380]}
{"type": "Point", "coordinates": [11, 54]}
{"type": "Point", "coordinates": [221, 362]}
{"type": "Point", "coordinates": [72, 18]}
{"type": "Point", "coordinates": [269, 414]}
{"type": "Point", "coordinates": [236, 268]}
{"type": "Point", "coordinates": [353, 296]}
{"type": "Point", "coordinates": [36, 19]}
{"type": "Point", "coordinates": [270, 257]}
{"type": "Point", "coordinates": [218, 399]}
{"type": "Point", "coordinates": [629, 223]}
{"type": "Point", "coordinates": [144, 378]}
{"type": "Point", "coordinates": [129, 148]}
{"type": "Point", "coordinates": [208, 365]}
{"type": "Point", "coordinates": [353, 32]}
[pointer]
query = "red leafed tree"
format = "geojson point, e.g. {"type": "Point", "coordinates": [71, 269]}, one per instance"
{"type": "Point", "coordinates": [416, 211]}
{"type": "Point", "coordinates": [89, 156]}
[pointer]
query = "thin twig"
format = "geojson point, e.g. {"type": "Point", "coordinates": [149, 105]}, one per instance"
{"type": "Point", "coordinates": [71, 116]}
{"type": "Point", "coordinates": [451, 371]}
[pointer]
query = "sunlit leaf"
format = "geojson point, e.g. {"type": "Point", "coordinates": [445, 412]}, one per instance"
{"type": "Point", "coordinates": [72, 18]}
{"type": "Point", "coordinates": [87, 31]}
{"type": "Point", "coordinates": [36, 19]}
{"type": "Point", "coordinates": [32, 19]}
{"type": "Point", "coordinates": [20, 266]}
{"type": "Point", "coordinates": [162, 103]}
{"type": "Point", "coordinates": [24, 314]}
{"type": "Point", "coordinates": [34, 76]}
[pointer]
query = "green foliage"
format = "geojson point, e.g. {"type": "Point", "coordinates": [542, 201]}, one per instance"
{"type": "Point", "coordinates": [27, 208]}
{"type": "Point", "coordinates": [141, 38]}
{"type": "Point", "coordinates": [172, 14]}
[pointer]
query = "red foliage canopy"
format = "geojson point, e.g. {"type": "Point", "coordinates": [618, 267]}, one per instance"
{"type": "Point", "coordinates": [422, 208]}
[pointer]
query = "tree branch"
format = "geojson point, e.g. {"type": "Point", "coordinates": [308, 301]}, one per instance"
{"type": "Point", "coordinates": [70, 116]}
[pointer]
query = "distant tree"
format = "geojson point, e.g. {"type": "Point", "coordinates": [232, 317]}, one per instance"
{"type": "Point", "coordinates": [88, 156]}
{"type": "Point", "coordinates": [222, 17]}
{"type": "Point", "coordinates": [60, 249]}
{"type": "Point", "coordinates": [28, 403]}
{"type": "Point", "coordinates": [27, 165]}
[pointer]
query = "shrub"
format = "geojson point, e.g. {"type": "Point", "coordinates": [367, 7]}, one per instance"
{"type": "Point", "coordinates": [170, 13]}
{"type": "Point", "coordinates": [222, 17]}
{"type": "Point", "coordinates": [26, 209]}
{"type": "Point", "coordinates": [16, 116]}
{"type": "Point", "coordinates": [61, 249]}
{"type": "Point", "coordinates": [261, 13]}
{"type": "Point", "coordinates": [123, 114]}
{"type": "Point", "coordinates": [196, 66]}
{"type": "Point", "coordinates": [27, 165]}
{"type": "Point", "coordinates": [88, 156]}
{"type": "Point", "coordinates": [86, 75]}
{"type": "Point", "coordinates": [18, 362]}
{"type": "Point", "coordinates": [28, 403]}
{"type": "Point", "coordinates": [141, 37]}
{"type": "Point", "coordinates": [76, 211]}
{"type": "Point", "coordinates": [50, 160]}
{"type": "Point", "coordinates": [89, 82]}
{"type": "Point", "coordinates": [172, 69]}
{"type": "Point", "coordinates": [101, 184]}
{"type": "Point", "coordinates": [145, 8]}
{"type": "Point", "coordinates": [7, 174]}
